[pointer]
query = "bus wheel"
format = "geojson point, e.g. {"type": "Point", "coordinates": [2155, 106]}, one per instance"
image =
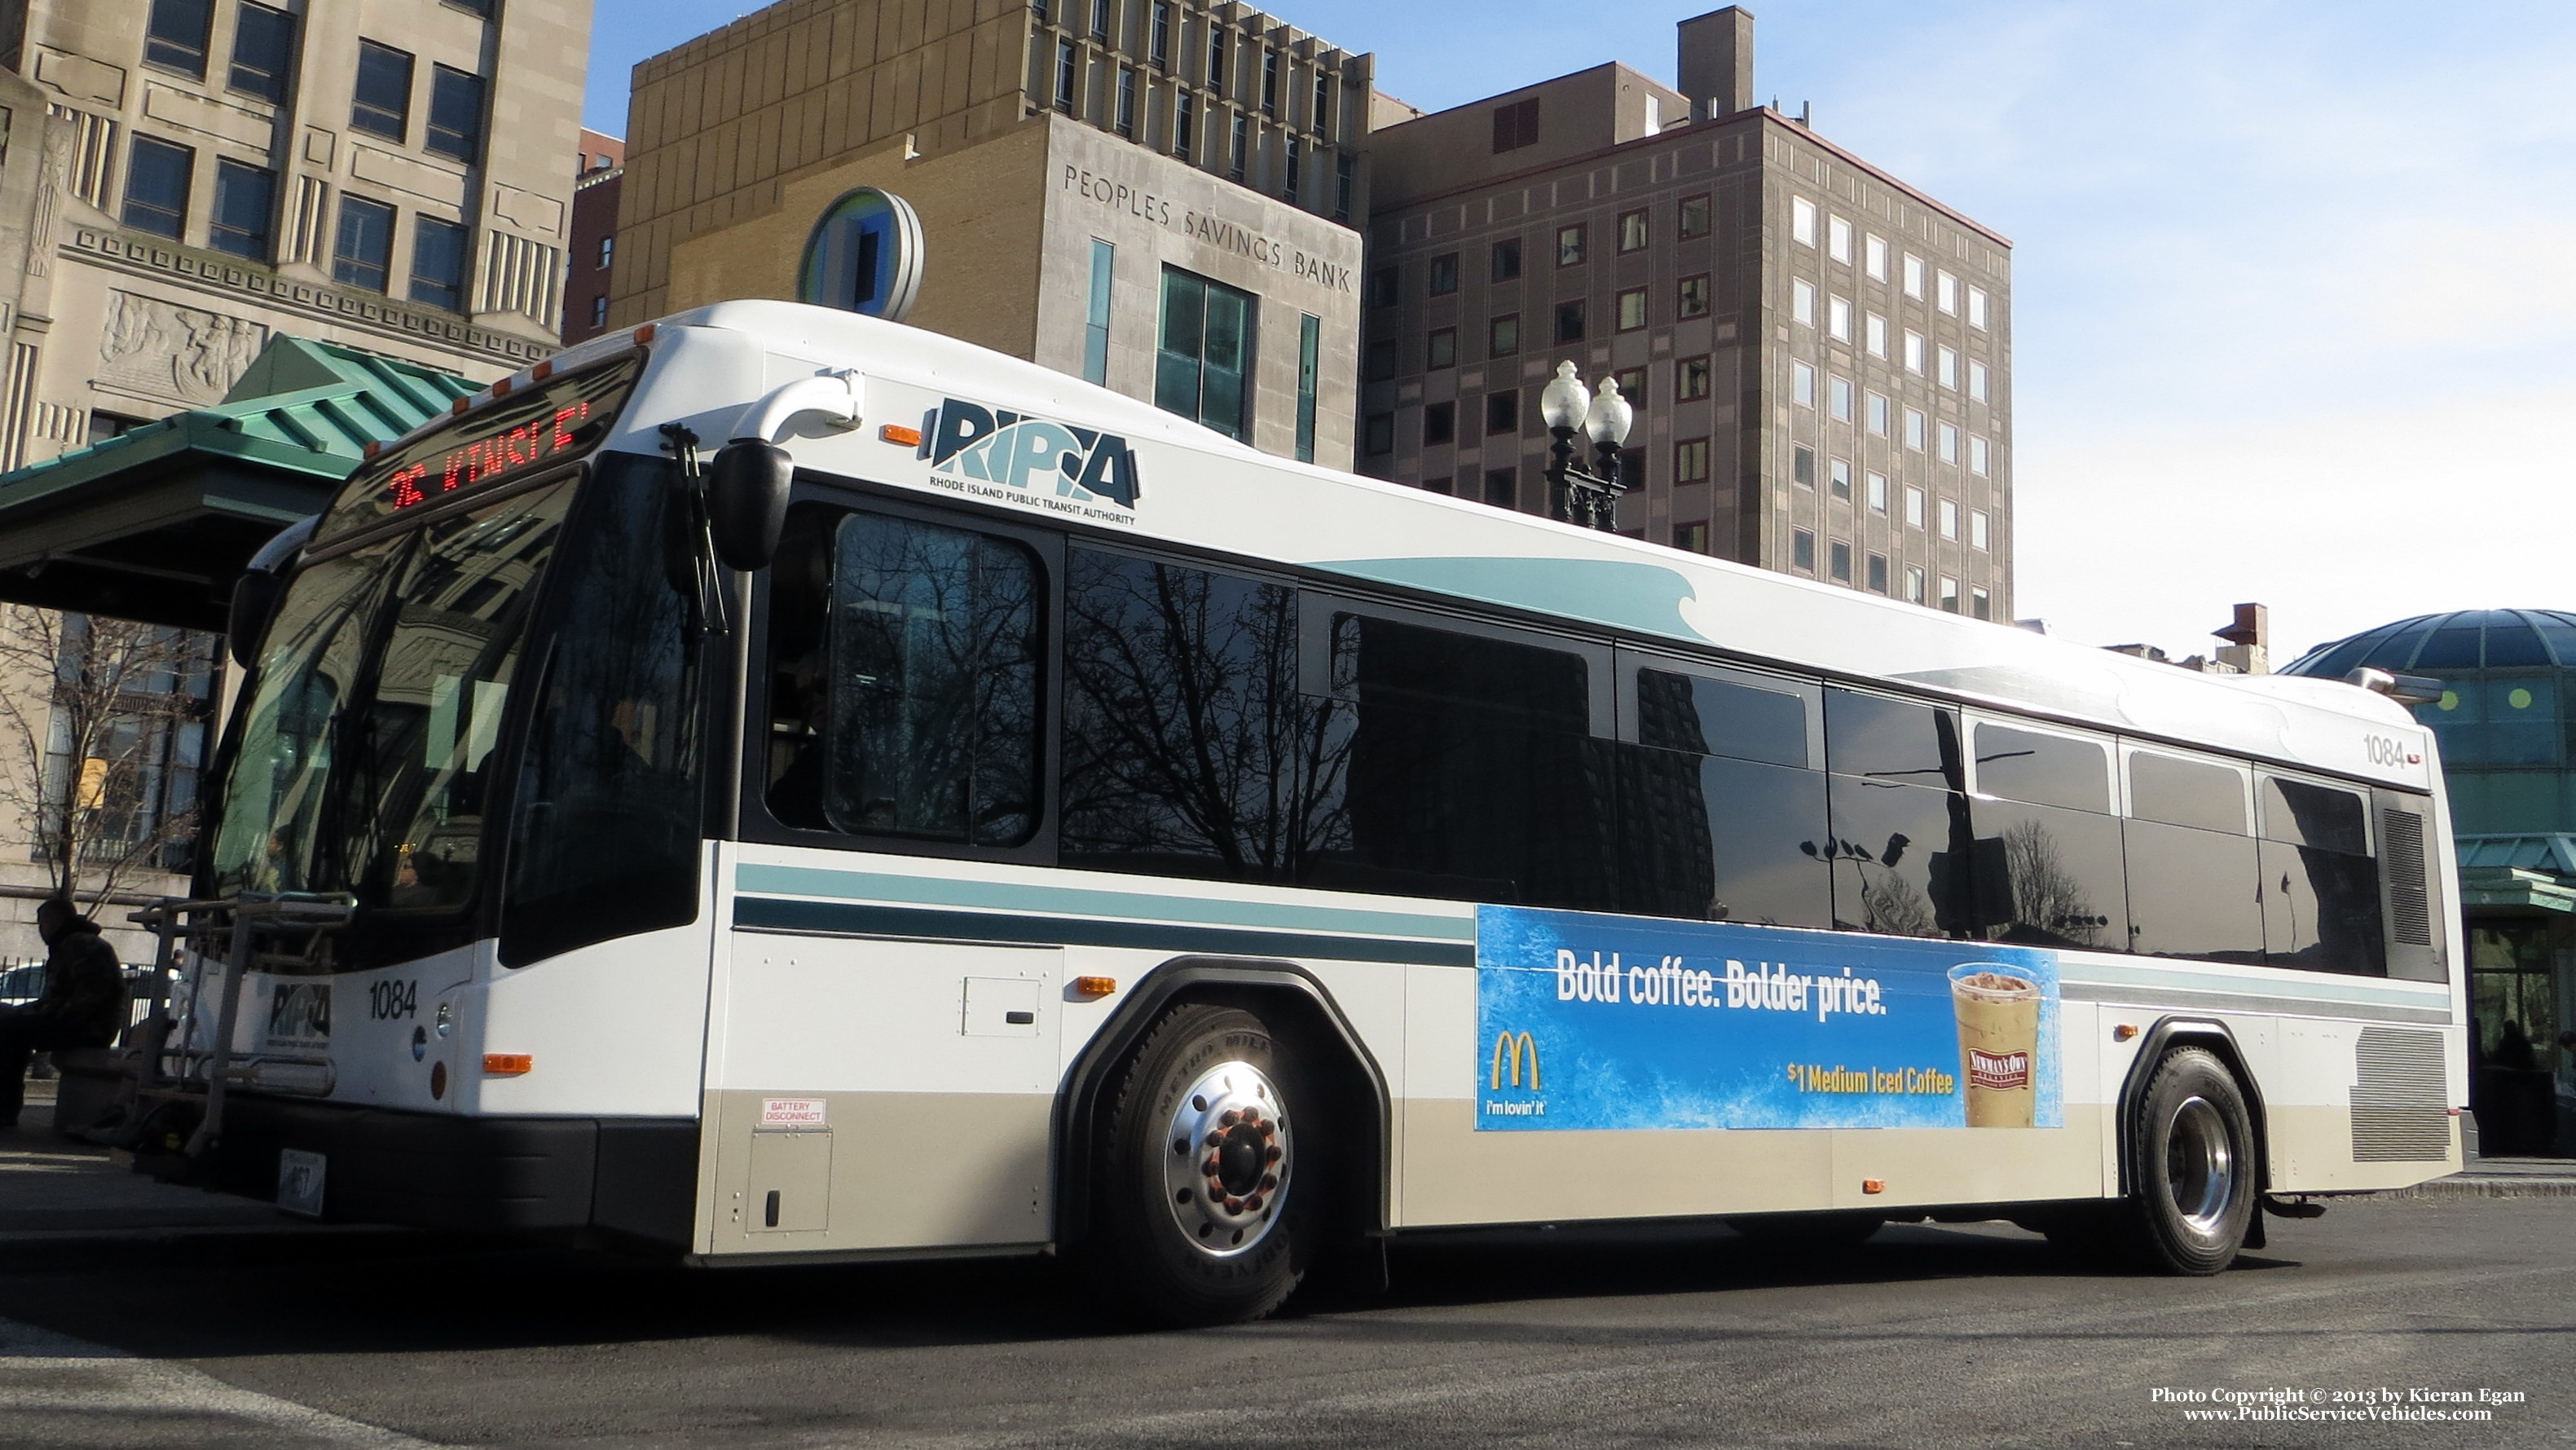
{"type": "Point", "coordinates": [2195, 1169]}
{"type": "Point", "coordinates": [1807, 1230]}
{"type": "Point", "coordinates": [1203, 1209]}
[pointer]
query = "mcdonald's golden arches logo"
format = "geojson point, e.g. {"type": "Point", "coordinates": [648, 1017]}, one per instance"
{"type": "Point", "coordinates": [1513, 1046]}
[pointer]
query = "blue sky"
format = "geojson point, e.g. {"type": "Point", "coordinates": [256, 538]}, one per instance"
{"type": "Point", "coordinates": [2295, 284]}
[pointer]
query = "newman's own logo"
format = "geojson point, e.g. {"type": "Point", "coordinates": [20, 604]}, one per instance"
{"type": "Point", "coordinates": [1032, 456]}
{"type": "Point", "coordinates": [2006, 1070]}
{"type": "Point", "coordinates": [1511, 1049]}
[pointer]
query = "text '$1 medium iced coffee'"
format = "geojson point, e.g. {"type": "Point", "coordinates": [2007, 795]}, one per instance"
{"type": "Point", "coordinates": [1998, 1010]}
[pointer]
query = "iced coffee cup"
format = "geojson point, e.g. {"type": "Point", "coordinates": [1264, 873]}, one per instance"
{"type": "Point", "coordinates": [1998, 1009]}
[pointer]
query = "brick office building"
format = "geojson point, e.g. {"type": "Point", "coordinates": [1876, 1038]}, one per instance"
{"type": "Point", "coordinates": [1819, 354]}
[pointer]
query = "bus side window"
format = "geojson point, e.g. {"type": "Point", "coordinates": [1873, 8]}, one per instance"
{"type": "Point", "coordinates": [2194, 881]}
{"type": "Point", "coordinates": [800, 611]}
{"type": "Point", "coordinates": [2044, 825]}
{"type": "Point", "coordinates": [1720, 816]}
{"type": "Point", "coordinates": [1903, 848]}
{"type": "Point", "coordinates": [2320, 881]}
{"type": "Point", "coordinates": [1181, 721]}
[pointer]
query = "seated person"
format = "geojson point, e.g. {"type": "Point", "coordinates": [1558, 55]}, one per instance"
{"type": "Point", "coordinates": [83, 1003]}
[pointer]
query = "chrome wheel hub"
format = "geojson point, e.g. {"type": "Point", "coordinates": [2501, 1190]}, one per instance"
{"type": "Point", "coordinates": [2200, 1166]}
{"type": "Point", "coordinates": [1226, 1159]}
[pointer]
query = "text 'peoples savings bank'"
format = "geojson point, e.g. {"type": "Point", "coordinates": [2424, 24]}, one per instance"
{"type": "Point", "coordinates": [1209, 228]}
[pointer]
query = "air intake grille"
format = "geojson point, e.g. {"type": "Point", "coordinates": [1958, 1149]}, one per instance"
{"type": "Point", "coordinates": [2401, 838]}
{"type": "Point", "coordinates": [2398, 1115]}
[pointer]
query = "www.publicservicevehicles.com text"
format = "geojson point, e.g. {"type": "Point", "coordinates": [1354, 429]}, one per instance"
{"type": "Point", "coordinates": [2383, 1404]}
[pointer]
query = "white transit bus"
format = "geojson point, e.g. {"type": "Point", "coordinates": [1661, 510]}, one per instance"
{"type": "Point", "coordinates": [781, 786]}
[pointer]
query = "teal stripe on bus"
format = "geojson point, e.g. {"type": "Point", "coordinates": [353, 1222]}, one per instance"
{"type": "Point", "coordinates": [810, 881]}
{"type": "Point", "coordinates": [847, 918]}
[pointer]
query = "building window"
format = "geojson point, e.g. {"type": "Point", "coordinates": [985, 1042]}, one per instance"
{"type": "Point", "coordinates": [1440, 350]}
{"type": "Point", "coordinates": [1691, 536]}
{"type": "Point", "coordinates": [455, 114]}
{"type": "Point", "coordinates": [1516, 125]}
{"type": "Point", "coordinates": [1838, 313]}
{"type": "Point", "coordinates": [1949, 594]}
{"type": "Point", "coordinates": [1976, 528]}
{"type": "Point", "coordinates": [1206, 357]}
{"type": "Point", "coordinates": [1913, 585]}
{"type": "Point", "coordinates": [1270, 83]}
{"type": "Point", "coordinates": [1569, 245]}
{"type": "Point", "coordinates": [1983, 605]}
{"type": "Point", "coordinates": [1802, 466]}
{"type": "Point", "coordinates": [1633, 233]}
{"type": "Point", "coordinates": [175, 37]}
{"type": "Point", "coordinates": [1435, 485]}
{"type": "Point", "coordinates": [1946, 367]}
{"type": "Point", "coordinates": [1838, 561]}
{"type": "Point", "coordinates": [1838, 239]}
{"type": "Point", "coordinates": [1838, 479]}
{"type": "Point", "coordinates": [1293, 153]}
{"type": "Point", "coordinates": [1310, 349]}
{"type": "Point", "coordinates": [1874, 258]}
{"type": "Point", "coordinates": [1914, 276]}
{"type": "Point", "coordinates": [1802, 551]}
{"type": "Point", "coordinates": [1914, 508]}
{"type": "Point", "coordinates": [438, 263]}
{"type": "Point", "coordinates": [599, 310]}
{"type": "Point", "coordinates": [1632, 383]}
{"type": "Point", "coordinates": [1695, 216]}
{"type": "Point", "coordinates": [1377, 434]}
{"type": "Point", "coordinates": [1216, 57]}
{"type": "Point", "coordinates": [1977, 308]}
{"type": "Point", "coordinates": [1569, 321]}
{"type": "Point", "coordinates": [1914, 429]}
{"type": "Point", "coordinates": [1379, 362]}
{"type": "Point", "coordinates": [1874, 335]}
{"type": "Point", "coordinates": [1979, 462]}
{"type": "Point", "coordinates": [157, 176]}
{"type": "Point", "coordinates": [1095, 328]}
{"type": "Point", "coordinates": [1242, 149]}
{"type": "Point", "coordinates": [1185, 115]}
{"type": "Point", "coordinates": [1838, 398]}
{"type": "Point", "coordinates": [1802, 221]}
{"type": "Point", "coordinates": [1444, 274]}
{"type": "Point", "coordinates": [1949, 438]}
{"type": "Point", "coordinates": [1100, 20]}
{"type": "Point", "coordinates": [1802, 385]}
{"type": "Point", "coordinates": [245, 200]}
{"type": "Point", "coordinates": [263, 52]}
{"type": "Point", "coordinates": [1693, 296]}
{"type": "Point", "coordinates": [1159, 48]}
{"type": "Point", "coordinates": [1439, 424]}
{"type": "Point", "coordinates": [1913, 351]}
{"type": "Point", "coordinates": [1503, 488]}
{"type": "Point", "coordinates": [1068, 75]}
{"type": "Point", "coordinates": [1874, 488]}
{"type": "Point", "coordinates": [1691, 378]}
{"type": "Point", "coordinates": [362, 255]}
{"type": "Point", "coordinates": [1878, 573]}
{"type": "Point", "coordinates": [1690, 461]}
{"type": "Point", "coordinates": [380, 105]}
{"type": "Point", "coordinates": [1949, 519]}
{"type": "Point", "coordinates": [1802, 303]}
{"type": "Point", "coordinates": [1127, 106]}
{"type": "Point", "coordinates": [1503, 335]}
{"type": "Point", "coordinates": [1345, 179]}
{"type": "Point", "coordinates": [1507, 259]}
{"type": "Point", "coordinates": [1320, 118]}
{"type": "Point", "coordinates": [608, 251]}
{"type": "Point", "coordinates": [1945, 293]}
{"type": "Point", "coordinates": [1977, 380]}
{"type": "Point", "coordinates": [1632, 309]}
{"type": "Point", "coordinates": [1503, 412]}
{"type": "Point", "coordinates": [1877, 414]}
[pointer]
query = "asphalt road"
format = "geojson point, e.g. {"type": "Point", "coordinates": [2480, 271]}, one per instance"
{"type": "Point", "coordinates": [1933, 1337]}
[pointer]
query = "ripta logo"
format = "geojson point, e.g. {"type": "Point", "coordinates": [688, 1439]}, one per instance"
{"type": "Point", "coordinates": [1024, 453]}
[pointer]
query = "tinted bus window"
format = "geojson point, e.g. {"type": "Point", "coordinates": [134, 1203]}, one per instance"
{"type": "Point", "coordinates": [2061, 882]}
{"type": "Point", "coordinates": [2301, 814]}
{"type": "Point", "coordinates": [2186, 793]}
{"type": "Point", "coordinates": [2047, 770]}
{"type": "Point", "coordinates": [2321, 910]}
{"type": "Point", "coordinates": [1180, 751]}
{"type": "Point", "coordinates": [1901, 858]}
{"type": "Point", "coordinates": [1891, 740]}
{"type": "Point", "coordinates": [1707, 838]}
{"type": "Point", "coordinates": [2193, 893]}
{"type": "Point", "coordinates": [1721, 717]}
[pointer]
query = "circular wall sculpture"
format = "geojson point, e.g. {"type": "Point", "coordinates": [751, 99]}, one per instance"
{"type": "Point", "coordinates": [864, 255]}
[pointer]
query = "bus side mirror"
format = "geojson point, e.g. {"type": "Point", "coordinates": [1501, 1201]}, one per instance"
{"type": "Point", "coordinates": [255, 596]}
{"type": "Point", "coordinates": [747, 502]}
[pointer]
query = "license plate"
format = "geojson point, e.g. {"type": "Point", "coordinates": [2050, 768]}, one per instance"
{"type": "Point", "coordinates": [299, 1181]}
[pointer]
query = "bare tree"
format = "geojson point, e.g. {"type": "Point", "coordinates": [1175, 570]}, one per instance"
{"type": "Point", "coordinates": [88, 707]}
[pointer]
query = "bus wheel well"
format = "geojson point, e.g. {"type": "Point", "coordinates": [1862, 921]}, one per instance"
{"type": "Point", "coordinates": [1302, 1014]}
{"type": "Point", "coordinates": [2215, 1038]}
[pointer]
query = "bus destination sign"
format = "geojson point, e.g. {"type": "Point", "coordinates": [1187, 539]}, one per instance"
{"type": "Point", "coordinates": [533, 429]}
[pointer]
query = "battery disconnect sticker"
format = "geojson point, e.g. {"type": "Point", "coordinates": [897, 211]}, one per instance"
{"type": "Point", "coordinates": [791, 1112]}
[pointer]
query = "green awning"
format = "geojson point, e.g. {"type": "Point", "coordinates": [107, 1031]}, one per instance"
{"type": "Point", "coordinates": [2520, 874]}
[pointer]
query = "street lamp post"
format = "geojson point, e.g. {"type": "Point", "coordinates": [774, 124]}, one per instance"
{"type": "Point", "coordinates": [1591, 498]}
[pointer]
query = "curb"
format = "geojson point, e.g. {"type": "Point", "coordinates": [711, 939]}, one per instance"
{"type": "Point", "coordinates": [2455, 1189]}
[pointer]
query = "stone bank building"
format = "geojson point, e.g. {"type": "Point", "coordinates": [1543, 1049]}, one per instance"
{"type": "Point", "coordinates": [1157, 195]}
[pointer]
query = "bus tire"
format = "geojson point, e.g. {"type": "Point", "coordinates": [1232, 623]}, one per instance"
{"type": "Point", "coordinates": [2194, 1184]}
{"type": "Point", "coordinates": [1207, 1190]}
{"type": "Point", "coordinates": [1807, 1230]}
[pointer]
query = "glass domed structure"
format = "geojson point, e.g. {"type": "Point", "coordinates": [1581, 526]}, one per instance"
{"type": "Point", "coordinates": [2507, 726]}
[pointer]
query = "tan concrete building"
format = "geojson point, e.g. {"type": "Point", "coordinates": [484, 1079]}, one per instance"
{"type": "Point", "coordinates": [1153, 194]}
{"type": "Point", "coordinates": [1819, 353]}
{"type": "Point", "coordinates": [183, 178]}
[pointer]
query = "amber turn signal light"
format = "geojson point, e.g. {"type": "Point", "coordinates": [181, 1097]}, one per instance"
{"type": "Point", "coordinates": [2124, 1032]}
{"type": "Point", "coordinates": [508, 1064]}
{"type": "Point", "coordinates": [644, 334]}
{"type": "Point", "coordinates": [1095, 986]}
{"type": "Point", "coordinates": [1873, 1185]}
{"type": "Point", "coordinates": [897, 433]}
